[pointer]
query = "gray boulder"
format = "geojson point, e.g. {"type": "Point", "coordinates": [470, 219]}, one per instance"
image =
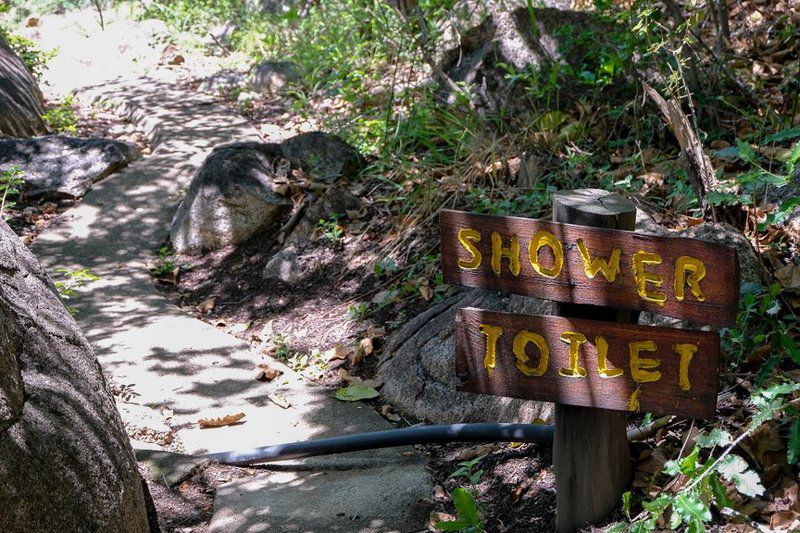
{"type": "Point", "coordinates": [65, 461]}
{"type": "Point", "coordinates": [750, 267]}
{"type": "Point", "coordinates": [291, 267]}
{"type": "Point", "coordinates": [21, 101]}
{"type": "Point", "coordinates": [269, 77]}
{"type": "Point", "coordinates": [482, 35]}
{"type": "Point", "coordinates": [300, 259]}
{"type": "Point", "coordinates": [56, 166]}
{"type": "Point", "coordinates": [418, 366]}
{"type": "Point", "coordinates": [324, 156]}
{"type": "Point", "coordinates": [230, 198]}
{"type": "Point", "coordinates": [751, 270]}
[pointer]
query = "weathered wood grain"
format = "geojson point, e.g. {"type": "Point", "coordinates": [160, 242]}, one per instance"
{"type": "Point", "coordinates": [720, 286]}
{"type": "Point", "coordinates": [664, 396]}
{"type": "Point", "coordinates": [591, 454]}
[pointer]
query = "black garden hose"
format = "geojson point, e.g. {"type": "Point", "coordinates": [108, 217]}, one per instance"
{"type": "Point", "coordinates": [388, 438]}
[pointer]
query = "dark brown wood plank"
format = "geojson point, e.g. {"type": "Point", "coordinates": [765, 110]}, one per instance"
{"type": "Point", "coordinates": [591, 454]}
{"type": "Point", "coordinates": [720, 286]}
{"type": "Point", "coordinates": [664, 396]}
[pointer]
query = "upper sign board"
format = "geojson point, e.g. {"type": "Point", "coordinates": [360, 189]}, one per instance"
{"type": "Point", "coordinates": [679, 277]}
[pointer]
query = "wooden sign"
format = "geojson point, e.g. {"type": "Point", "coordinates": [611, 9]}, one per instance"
{"type": "Point", "coordinates": [588, 363]}
{"type": "Point", "coordinates": [684, 278]}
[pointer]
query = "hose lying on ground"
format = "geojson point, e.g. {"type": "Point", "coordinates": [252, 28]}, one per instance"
{"type": "Point", "coordinates": [388, 438]}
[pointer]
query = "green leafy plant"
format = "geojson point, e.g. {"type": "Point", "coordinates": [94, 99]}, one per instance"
{"type": "Point", "coordinates": [165, 262]}
{"type": "Point", "coordinates": [760, 323]}
{"type": "Point", "coordinates": [469, 518]}
{"type": "Point", "coordinates": [356, 392]}
{"type": "Point", "coordinates": [73, 282]}
{"type": "Point", "coordinates": [384, 267]}
{"type": "Point", "coordinates": [10, 181]}
{"type": "Point", "coordinates": [61, 116]}
{"type": "Point", "coordinates": [185, 15]}
{"type": "Point", "coordinates": [467, 470]}
{"type": "Point", "coordinates": [691, 506]}
{"type": "Point", "coordinates": [330, 229]}
{"type": "Point", "coordinates": [34, 58]}
{"type": "Point", "coordinates": [283, 349]}
{"type": "Point", "coordinates": [748, 186]}
{"type": "Point", "coordinates": [357, 311]}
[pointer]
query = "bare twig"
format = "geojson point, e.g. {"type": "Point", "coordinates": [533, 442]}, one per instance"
{"type": "Point", "coordinates": [645, 432]}
{"type": "Point", "coordinates": [225, 50]}
{"type": "Point", "coordinates": [691, 147]}
{"type": "Point", "coordinates": [292, 222]}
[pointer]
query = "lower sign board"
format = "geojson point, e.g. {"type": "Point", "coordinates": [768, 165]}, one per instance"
{"type": "Point", "coordinates": [588, 363]}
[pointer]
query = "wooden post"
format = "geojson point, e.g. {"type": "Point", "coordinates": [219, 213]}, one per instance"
{"type": "Point", "coordinates": [591, 456]}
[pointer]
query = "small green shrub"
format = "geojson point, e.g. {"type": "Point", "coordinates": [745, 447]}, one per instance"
{"type": "Point", "coordinates": [10, 181]}
{"type": "Point", "coordinates": [73, 282]}
{"type": "Point", "coordinates": [34, 58]}
{"type": "Point", "coordinates": [331, 229]}
{"type": "Point", "coordinates": [469, 518]}
{"type": "Point", "coordinates": [165, 262]}
{"type": "Point", "coordinates": [197, 15]}
{"type": "Point", "coordinates": [61, 116]}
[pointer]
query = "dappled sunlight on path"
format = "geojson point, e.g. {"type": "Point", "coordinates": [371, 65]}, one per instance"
{"type": "Point", "coordinates": [171, 361]}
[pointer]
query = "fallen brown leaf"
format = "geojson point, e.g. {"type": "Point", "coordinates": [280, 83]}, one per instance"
{"type": "Point", "coordinates": [376, 333]}
{"type": "Point", "coordinates": [437, 517]}
{"type": "Point", "coordinates": [337, 352]}
{"type": "Point", "coordinates": [170, 277]}
{"type": "Point", "coordinates": [364, 348]}
{"type": "Point", "coordinates": [520, 489]}
{"type": "Point", "coordinates": [765, 445]}
{"type": "Point", "coordinates": [219, 422]}
{"type": "Point", "coordinates": [266, 372]}
{"type": "Point", "coordinates": [206, 305]}
{"type": "Point", "coordinates": [785, 520]}
{"type": "Point", "coordinates": [425, 290]}
{"type": "Point", "coordinates": [468, 454]}
{"type": "Point", "coordinates": [372, 383]}
{"type": "Point", "coordinates": [789, 276]}
{"type": "Point", "coordinates": [390, 414]}
{"type": "Point", "coordinates": [367, 345]}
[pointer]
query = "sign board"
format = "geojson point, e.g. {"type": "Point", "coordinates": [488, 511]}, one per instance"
{"type": "Point", "coordinates": [679, 277]}
{"type": "Point", "coordinates": [588, 363]}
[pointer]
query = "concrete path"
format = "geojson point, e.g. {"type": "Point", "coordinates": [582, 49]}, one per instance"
{"type": "Point", "coordinates": [175, 361]}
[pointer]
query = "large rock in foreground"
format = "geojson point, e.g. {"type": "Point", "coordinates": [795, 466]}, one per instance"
{"type": "Point", "coordinates": [21, 101]}
{"type": "Point", "coordinates": [57, 166]}
{"type": "Point", "coordinates": [65, 461]}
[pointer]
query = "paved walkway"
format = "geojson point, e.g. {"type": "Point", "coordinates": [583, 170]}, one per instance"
{"type": "Point", "coordinates": [174, 360]}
